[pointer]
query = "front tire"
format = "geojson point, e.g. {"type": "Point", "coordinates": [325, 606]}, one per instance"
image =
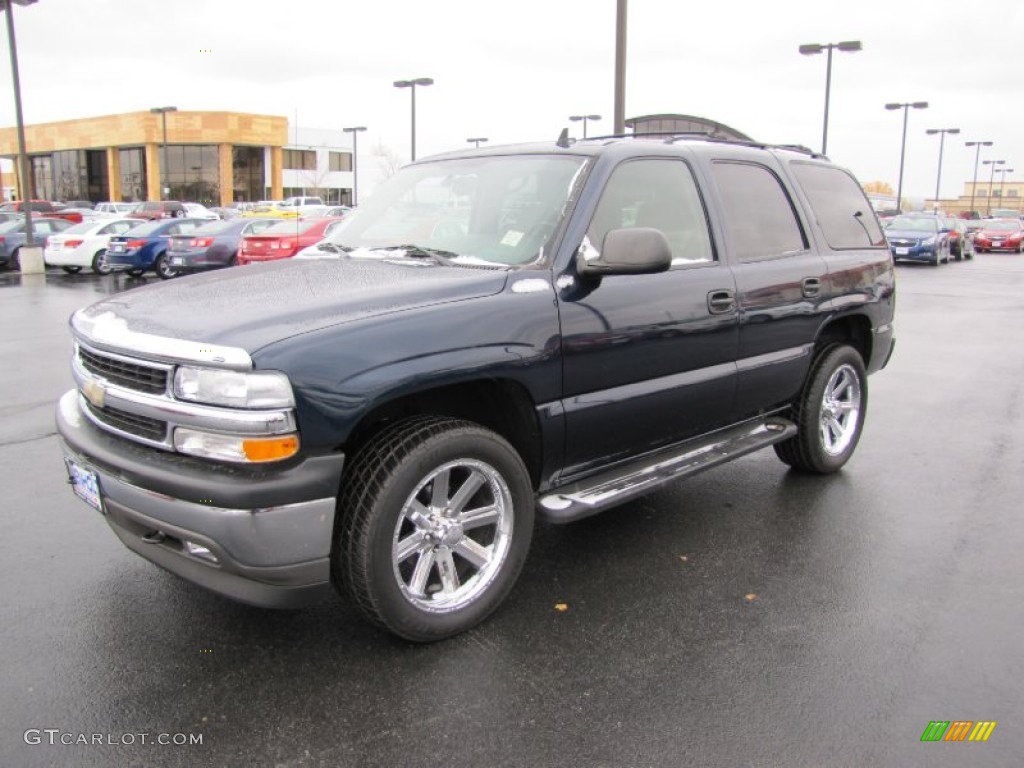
{"type": "Point", "coordinates": [829, 414]}
{"type": "Point", "coordinates": [436, 516]}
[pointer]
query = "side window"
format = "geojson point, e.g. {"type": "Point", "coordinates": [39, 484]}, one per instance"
{"type": "Point", "coordinates": [660, 194]}
{"type": "Point", "coordinates": [840, 206]}
{"type": "Point", "coordinates": [757, 212]}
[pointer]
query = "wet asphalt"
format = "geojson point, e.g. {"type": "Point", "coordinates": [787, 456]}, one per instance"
{"type": "Point", "coordinates": [750, 616]}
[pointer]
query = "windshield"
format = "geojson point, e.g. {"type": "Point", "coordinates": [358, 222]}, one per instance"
{"type": "Point", "coordinates": [12, 226]}
{"type": "Point", "coordinates": [148, 228]}
{"type": "Point", "coordinates": [1003, 226]}
{"type": "Point", "coordinates": [85, 228]}
{"type": "Point", "coordinates": [500, 210]}
{"type": "Point", "coordinates": [213, 228]}
{"type": "Point", "coordinates": [290, 227]}
{"type": "Point", "coordinates": [914, 224]}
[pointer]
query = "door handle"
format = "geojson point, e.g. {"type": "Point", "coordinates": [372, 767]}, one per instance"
{"type": "Point", "coordinates": [721, 301]}
{"type": "Point", "coordinates": [810, 287]}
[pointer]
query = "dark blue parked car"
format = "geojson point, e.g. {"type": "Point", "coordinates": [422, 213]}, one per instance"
{"type": "Point", "coordinates": [146, 246]}
{"type": "Point", "coordinates": [918, 237]}
{"type": "Point", "coordinates": [12, 236]}
{"type": "Point", "coordinates": [213, 245]}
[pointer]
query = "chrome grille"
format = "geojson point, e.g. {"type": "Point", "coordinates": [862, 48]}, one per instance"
{"type": "Point", "coordinates": [132, 423]}
{"type": "Point", "coordinates": [141, 378]}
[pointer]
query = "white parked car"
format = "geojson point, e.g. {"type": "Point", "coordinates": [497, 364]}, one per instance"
{"type": "Point", "coordinates": [197, 211]}
{"type": "Point", "coordinates": [85, 244]}
{"type": "Point", "coordinates": [112, 210]}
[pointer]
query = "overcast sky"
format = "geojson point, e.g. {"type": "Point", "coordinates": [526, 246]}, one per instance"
{"type": "Point", "coordinates": [514, 71]}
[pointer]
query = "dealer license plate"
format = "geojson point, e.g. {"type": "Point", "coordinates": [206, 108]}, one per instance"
{"type": "Point", "coordinates": [85, 484]}
{"type": "Point", "coordinates": [902, 251]}
{"type": "Point", "coordinates": [177, 261]}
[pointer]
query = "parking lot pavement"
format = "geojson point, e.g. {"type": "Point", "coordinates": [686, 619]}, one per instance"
{"type": "Point", "coordinates": [750, 616]}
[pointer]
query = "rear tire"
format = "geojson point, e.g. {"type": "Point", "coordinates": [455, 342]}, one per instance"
{"type": "Point", "coordinates": [99, 263]}
{"type": "Point", "coordinates": [829, 413]}
{"type": "Point", "coordinates": [435, 520]}
{"type": "Point", "coordinates": [163, 268]}
{"type": "Point", "coordinates": [72, 270]}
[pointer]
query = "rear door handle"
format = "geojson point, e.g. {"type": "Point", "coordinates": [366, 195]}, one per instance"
{"type": "Point", "coordinates": [721, 301]}
{"type": "Point", "coordinates": [810, 287]}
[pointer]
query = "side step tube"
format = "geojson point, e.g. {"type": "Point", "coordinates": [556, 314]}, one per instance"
{"type": "Point", "coordinates": [593, 494]}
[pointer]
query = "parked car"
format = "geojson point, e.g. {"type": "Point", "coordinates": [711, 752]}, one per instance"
{"type": "Point", "coordinates": [918, 237]}
{"type": "Point", "coordinates": [145, 247]}
{"type": "Point", "coordinates": [620, 315]}
{"type": "Point", "coordinates": [325, 248]}
{"type": "Point", "coordinates": [85, 245]}
{"type": "Point", "coordinates": [226, 212]}
{"type": "Point", "coordinates": [114, 209]}
{"type": "Point", "coordinates": [43, 207]}
{"type": "Point", "coordinates": [161, 209]}
{"type": "Point", "coordinates": [197, 211]}
{"type": "Point", "coordinates": [1005, 213]}
{"type": "Point", "coordinates": [961, 242]}
{"type": "Point", "coordinates": [12, 237]}
{"type": "Point", "coordinates": [328, 212]}
{"type": "Point", "coordinates": [213, 245]}
{"type": "Point", "coordinates": [1000, 235]}
{"type": "Point", "coordinates": [79, 204]}
{"type": "Point", "coordinates": [283, 240]}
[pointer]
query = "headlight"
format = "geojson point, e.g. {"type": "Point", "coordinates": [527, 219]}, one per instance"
{"type": "Point", "coordinates": [258, 389]}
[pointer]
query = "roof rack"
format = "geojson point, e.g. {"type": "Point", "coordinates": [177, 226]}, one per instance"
{"type": "Point", "coordinates": [671, 137]}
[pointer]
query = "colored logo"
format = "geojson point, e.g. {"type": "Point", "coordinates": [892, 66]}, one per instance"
{"type": "Point", "coordinates": [958, 730]}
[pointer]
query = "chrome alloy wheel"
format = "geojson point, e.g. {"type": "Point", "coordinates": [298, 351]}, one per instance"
{"type": "Point", "coordinates": [452, 536]}
{"type": "Point", "coordinates": [840, 410]}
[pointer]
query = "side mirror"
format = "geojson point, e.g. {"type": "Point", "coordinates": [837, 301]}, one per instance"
{"type": "Point", "coordinates": [634, 251]}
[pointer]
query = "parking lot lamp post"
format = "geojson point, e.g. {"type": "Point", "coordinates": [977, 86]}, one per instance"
{"type": "Point", "coordinates": [977, 156]}
{"type": "Point", "coordinates": [810, 49]}
{"type": "Point", "coordinates": [1002, 181]}
{"type": "Point", "coordinates": [355, 130]}
{"type": "Point", "coordinates": [905, 106]}
{"type": "Point", "coordinates": [411, 85]}
{"type": "Point", "coordinates": [162, 111]}
{"type": "Point", "coordinates": [584, 118]}
{"type": "Point", "coordinates": [477, 141]}
{"type": "Point", "coordinates": [991, 178]}
{"type": "Point", "coordinates": [942, 139]}
{"type": "Point", "coordinates": [27, 193]}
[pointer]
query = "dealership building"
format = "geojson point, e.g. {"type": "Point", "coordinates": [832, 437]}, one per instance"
{"type": "Point", "coordinates": [213, 158]}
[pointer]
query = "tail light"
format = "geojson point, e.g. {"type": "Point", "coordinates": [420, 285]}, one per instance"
{"type": "Point", "coordinates": [2, 238]}
{"type": "Point", "coordinates": [200, 242]}
{"type": "Point", "coordinates": [73, 243]}
{"type": "Point", "coordinates": [135, 243]}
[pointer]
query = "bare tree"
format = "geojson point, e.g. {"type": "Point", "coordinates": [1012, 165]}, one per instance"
{"type": "Point", "coordinates": [388, 160]}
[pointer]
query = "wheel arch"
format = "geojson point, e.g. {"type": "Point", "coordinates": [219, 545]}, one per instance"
{"type": "Point", "coordinates": [854, 330]}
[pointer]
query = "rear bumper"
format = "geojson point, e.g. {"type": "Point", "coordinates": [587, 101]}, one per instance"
{"type": "Point", "coordinates": [268, 535]}
{"type": "Point", "coordinates": [66, 258]}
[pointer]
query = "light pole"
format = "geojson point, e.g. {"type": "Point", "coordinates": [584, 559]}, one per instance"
{"type": "Point", "coordinates": [477, 141]}
{"type": "Point", "coordinates": [355, 130]}
{"type": "Point", "coordinates": [27, 192]}
{"type": "Point", "coordinates": [411, 84]}
{"type": "Point", "coordinates": [991, 178]}
{"type": "Point", "coordinates": [942, 139]}
{"type": "Point", "coordinates": [162, 111]}
{"type": "Point", "coordinates": [977, 155]}
{"type": "Point", "coordinates": [619, 108]}
{"type": "Point", "coordinates": [905, 106]}
{"type": "Point", "coordinates": [1002, 181]}
{"type": "Point", "coordinates": [810, 49]}
{"type": "Point", "coordinates": [584, 118]}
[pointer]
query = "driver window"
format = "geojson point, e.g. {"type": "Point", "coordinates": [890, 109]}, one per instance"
{"type": "Point", "coordinates": [659, 194]}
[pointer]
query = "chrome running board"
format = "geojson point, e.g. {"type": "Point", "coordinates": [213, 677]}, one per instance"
{"type": "Point", "coordinates": [593, 494]}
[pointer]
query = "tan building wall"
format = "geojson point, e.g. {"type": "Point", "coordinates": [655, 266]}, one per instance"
{"type": "Point", "coordinates": [145, 129]}
{"type": "Point", "coordinates": [1007, 195]}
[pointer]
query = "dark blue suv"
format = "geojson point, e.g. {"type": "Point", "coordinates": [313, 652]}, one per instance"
{"type": "Point", "coordinates": [145, 247]}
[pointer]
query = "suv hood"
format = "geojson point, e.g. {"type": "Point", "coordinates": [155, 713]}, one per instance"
{"type": "Point", "coordinates": [250, 307]}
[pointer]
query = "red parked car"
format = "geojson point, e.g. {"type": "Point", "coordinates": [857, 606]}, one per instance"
{"type": "Point", "coordinates": [283, 240]}
{"type": "Point", "coordinates": [1000, 235]}
{"type": "Point", "coordinates": [41, 208]}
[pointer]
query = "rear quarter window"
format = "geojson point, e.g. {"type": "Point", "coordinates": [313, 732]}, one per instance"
{"type": "Point", "coordinates": [844, 214]}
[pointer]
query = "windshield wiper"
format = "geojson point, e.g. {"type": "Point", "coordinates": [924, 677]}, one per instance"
{"type": "Point", "coordinates": [422, 252]}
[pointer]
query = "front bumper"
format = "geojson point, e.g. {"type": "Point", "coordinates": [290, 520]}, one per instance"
{"type": "Point", "coordinates": [914, 253]}
{"type": "Point", "coordinates": [269, 532]}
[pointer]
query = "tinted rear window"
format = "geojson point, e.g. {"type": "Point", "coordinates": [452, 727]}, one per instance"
{"type": "Point", "coordinates": [294, 227]}
{"type": "Point", "coordinates": [844, 214]}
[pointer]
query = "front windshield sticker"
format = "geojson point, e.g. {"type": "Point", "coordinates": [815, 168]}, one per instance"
{"type": "Point", "coordinates": [512, 238]}
{"type": "Point", "coordinates": [589, 251]}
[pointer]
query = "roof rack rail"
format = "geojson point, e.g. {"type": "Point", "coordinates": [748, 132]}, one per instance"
{"type": "Point", "coordinates": [671, 137]}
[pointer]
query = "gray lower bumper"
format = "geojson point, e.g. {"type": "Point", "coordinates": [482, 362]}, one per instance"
{"type": "Point", "coordinates": [275, 556]}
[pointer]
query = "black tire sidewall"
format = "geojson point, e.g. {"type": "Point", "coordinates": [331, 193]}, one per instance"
{"type": "Point", "coordinates": [100, 258]}
{"type": "Point", "coordinates": [393, 609]}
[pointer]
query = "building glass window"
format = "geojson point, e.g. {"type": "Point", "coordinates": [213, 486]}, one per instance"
{"type": "Point", "coordinates": [248, 174]}
{"type": "Point", "coordinates": [1011, 193]}
{"type": "Point", "coordinates": [298, 159]}
{"type": "Point", "coordinates": [42, 177]}
{"type": "Point", "coordinates": [340, 161]}
{"type": "Point", "coordinates": [133, 174]}
{"type": "Point", "coordinates": [192, 172]}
